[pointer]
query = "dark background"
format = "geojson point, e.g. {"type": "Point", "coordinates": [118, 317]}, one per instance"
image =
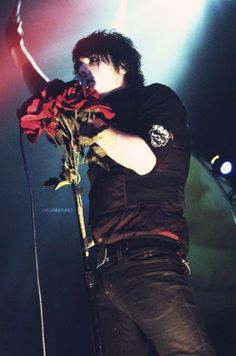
{"type": "Point", "coordinates": [208, 89]}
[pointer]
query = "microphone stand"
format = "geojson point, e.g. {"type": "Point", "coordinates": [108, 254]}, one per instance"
{"type": "Point", "coordinates": [89, 277]}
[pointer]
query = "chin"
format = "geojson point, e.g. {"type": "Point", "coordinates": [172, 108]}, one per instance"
{"type": "Point", "coordinates": [100, 89]}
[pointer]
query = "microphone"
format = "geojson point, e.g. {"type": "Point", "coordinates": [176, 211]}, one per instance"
{"type": "Point", "coordinates": [85, 80]}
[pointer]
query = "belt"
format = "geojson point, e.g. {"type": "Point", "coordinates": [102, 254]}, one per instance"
{"type": "Point", "coordinates": [124, 247]}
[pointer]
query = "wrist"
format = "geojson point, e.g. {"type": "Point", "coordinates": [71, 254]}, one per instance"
{"type": "Point", "coordinates": [14, 48]}
{"type": "Point", "coordinates": [14, 45]}
{"type": "Point", "coordinates": [108, 138]}
{"type": "Point", "coordinates": [103, 134]}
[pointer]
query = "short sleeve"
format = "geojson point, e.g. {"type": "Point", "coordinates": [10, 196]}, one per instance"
{"type": "Point", "coordinates": [162, 120]}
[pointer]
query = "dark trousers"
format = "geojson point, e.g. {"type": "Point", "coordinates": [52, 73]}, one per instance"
{"type": "Point", "coordinates": [145, 298]}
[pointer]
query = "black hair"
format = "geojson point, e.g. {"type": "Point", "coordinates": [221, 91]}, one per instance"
{"type": "Point", "coordinates": [111, 45]}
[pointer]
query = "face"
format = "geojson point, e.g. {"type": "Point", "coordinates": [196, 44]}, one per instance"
{"type": "Point", "coordinates": [102, 76]}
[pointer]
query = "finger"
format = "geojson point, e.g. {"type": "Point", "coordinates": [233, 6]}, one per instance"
{"type": "Point", "coordinates": [18, 7]}
{"type": "Point", "coordinates": [14, 31]}
{"type": "Point", "coordinates": [20, 29]}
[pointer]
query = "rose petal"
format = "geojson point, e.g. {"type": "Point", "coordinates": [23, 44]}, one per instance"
{"type": "Point", "coordinates": [47, 110]}
{"type": "Point", "coordinates": [34, 136]}
{"type": "Point", "coordinates": [33, 125]}
{"type": "Point", "coordinates": [36, 117]}
{"type": "Point", "coordinates": [103, 109]}
{"type": "Point", "coordinates": [34, 106]}
{"type": "Point", "coordinates": [29, 132]}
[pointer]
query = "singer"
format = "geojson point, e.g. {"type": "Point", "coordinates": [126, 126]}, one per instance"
{"type": "Point", "coordinates": [139, 165]}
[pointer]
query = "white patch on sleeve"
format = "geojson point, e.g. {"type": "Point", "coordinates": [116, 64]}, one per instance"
{"type": "Point", "coordinates": [160, 136]}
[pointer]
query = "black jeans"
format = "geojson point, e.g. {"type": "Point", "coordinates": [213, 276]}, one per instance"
{"type": "Point", "coordinates": [145, 299]}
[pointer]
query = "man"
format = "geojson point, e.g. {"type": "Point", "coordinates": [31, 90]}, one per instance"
{"type": "Point", "coordinates": [136, 202]}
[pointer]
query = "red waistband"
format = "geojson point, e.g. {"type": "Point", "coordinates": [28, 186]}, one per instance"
{"type": "Point", "coordinates": [169, 234]}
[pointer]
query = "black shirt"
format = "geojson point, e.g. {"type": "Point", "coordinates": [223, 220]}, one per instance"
{"type": "Point", "coordinates": [124, 204]}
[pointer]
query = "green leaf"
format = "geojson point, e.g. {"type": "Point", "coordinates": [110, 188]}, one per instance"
{"type": "Point", "coordinates": [61, 184]}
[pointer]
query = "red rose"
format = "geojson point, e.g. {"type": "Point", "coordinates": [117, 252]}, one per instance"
{"type": "Point", "coordinates": [34, 125]}
{"type": "Point", "coordinates": [39, 117]}
{"type": "Point", "coordinates": [75, 97]}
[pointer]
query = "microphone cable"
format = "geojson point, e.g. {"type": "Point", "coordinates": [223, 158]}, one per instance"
{"type": "Point", "coordinates": [34, 235]}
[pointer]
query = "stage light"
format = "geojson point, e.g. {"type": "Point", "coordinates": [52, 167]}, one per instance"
{"type": "Point", "coordinates": [226, 167]}
{"type": "Point", "coordinates": [220, 165]}
{"type": "Point", "coordinates": [166, 33]}
{"type": "Point", "coordinates": [121, 17]}
{"type": "Point", "coordinates": [214, 159]}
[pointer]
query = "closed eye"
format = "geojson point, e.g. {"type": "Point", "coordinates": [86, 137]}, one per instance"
{"type": "Point", "coordinates": [94, 59]}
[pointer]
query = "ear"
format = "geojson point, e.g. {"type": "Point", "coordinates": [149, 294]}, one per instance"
{"type": "Point", "coordinates": [123, 71]}
{"type": "Point", "coordinates": [122, 68]}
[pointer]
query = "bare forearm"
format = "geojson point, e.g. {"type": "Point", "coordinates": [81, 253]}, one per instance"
{"type": "Point", "coordinates": [35, 79]}
{"type": "Point", "coordinates": [128, 150]}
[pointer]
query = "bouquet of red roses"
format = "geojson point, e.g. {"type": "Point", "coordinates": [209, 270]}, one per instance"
{"type": "Point", "coordinates": [70, 115]}
{"type": "Point", "coordinates": [59, 102]}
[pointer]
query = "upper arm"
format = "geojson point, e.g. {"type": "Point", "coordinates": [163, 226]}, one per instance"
{"type": "Point", "coordinates": [162, 122]}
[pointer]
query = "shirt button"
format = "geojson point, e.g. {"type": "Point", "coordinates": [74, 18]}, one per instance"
{"type": "Point", "coordinates": [100, 240]}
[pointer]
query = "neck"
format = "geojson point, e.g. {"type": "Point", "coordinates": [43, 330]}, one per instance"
{"type": "Point", "coordinates": [102, 95]}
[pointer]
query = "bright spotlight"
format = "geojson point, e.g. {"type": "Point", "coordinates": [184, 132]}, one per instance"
{"type": "Point", "coordinates": [167, 33]}
{"type": "Point", "coordinates": [226, 167]}
{"type": "Point", "coordinates": [121, 20]}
